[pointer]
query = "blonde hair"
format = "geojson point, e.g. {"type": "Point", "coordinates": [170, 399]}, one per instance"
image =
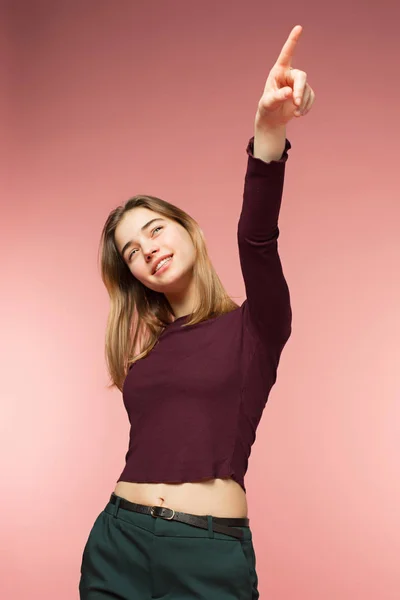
{"type": "Point", "coordinates": [138, 315]}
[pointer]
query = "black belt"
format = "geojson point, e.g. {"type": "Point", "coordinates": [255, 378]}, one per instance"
{"type": "Point", "coordinates": [219, 524]}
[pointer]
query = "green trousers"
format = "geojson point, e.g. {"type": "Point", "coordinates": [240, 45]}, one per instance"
{"type": "Point", "coordinates": [135, 556]}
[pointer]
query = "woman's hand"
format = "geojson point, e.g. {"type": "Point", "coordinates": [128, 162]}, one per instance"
{"type": "Point", "coordinates": [286, 92]}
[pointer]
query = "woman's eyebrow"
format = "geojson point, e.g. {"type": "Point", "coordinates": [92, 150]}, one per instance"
{"type": "Point", "coordinates": [141, 229]}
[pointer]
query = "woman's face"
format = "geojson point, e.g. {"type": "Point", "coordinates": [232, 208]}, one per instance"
{"type": "Point", "coordinates": [142, 249]}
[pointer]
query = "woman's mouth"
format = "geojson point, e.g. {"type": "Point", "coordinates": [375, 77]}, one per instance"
{"type": "Point", "coordinates": [164, 266]}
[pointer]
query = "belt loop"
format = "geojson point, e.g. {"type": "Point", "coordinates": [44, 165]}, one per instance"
{"type": "Point", "coordinates": [116, 505]}
{"type": "Point", "coordinates": [210, 527]}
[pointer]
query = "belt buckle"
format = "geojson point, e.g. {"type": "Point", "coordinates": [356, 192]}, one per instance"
{"type": "Point", "coordinates": [161, 508]}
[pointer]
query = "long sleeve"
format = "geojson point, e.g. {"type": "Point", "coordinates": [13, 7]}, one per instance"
{"type": "Point", "coordinates": [267, 306]}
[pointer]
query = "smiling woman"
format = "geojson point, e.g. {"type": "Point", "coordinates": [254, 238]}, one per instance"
{"type": "Point", "coordinates": [196, 382]}
{"type": "Point", "coordinates": [143, 301]}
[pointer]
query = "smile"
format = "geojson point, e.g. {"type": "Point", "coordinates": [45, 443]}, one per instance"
{"type": "Point", "coordinates": [164, 267]}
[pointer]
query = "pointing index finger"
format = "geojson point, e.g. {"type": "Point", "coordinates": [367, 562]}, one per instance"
{"type": "Point", "coordinates": [285, 57]}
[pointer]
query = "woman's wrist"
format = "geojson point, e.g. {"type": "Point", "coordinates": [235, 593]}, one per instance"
{"type": "Point", "coordinates": [269, 142]}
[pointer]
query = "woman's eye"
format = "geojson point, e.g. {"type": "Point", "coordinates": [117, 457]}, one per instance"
{"type": "Point", "coordinates": [159, 227]}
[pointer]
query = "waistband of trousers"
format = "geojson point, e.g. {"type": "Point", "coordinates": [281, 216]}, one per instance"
{"type": "Point", "coordinates": [225, 525]}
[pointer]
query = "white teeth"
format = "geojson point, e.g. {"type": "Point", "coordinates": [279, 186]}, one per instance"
{"type": "Point", "coordinates": [160, 264]}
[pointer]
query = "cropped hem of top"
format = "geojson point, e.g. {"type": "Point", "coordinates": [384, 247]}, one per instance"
{"type": "Point", "coordinates": [195, 402]}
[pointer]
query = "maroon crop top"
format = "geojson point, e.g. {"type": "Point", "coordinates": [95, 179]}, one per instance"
{"type": "Point", "coordinates": [194, 403]}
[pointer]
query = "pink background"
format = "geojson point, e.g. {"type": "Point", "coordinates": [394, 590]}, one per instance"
{"type": "Point", "coordinates": [103, 100]}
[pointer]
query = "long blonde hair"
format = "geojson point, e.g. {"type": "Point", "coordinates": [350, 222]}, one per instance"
{"type": "Point", "coordinates": [138, 315]}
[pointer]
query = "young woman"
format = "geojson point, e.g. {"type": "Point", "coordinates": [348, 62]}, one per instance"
{"type": "Point", "coordinates": [195, 370]}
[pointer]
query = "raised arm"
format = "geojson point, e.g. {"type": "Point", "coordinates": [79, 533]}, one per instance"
{"type": "Point", "coordinates": [267, 307]}
{"type": "Point", "coordinates": [286, 95]}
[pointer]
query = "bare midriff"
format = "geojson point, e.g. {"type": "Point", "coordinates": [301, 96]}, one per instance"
{"type": "Point", "coordinates": [216, 497]}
